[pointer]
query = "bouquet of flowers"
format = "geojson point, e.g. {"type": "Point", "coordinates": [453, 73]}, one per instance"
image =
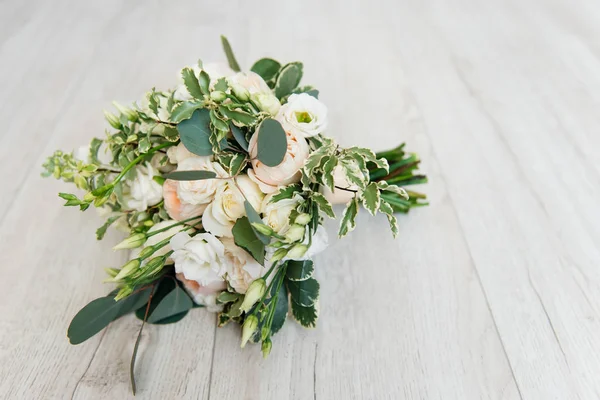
{"type": "Point", "coordinates": [222, 184]}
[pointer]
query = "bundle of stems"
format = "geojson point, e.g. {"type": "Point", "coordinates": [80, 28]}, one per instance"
{"type": "Point", "coordinates": [403, 172]}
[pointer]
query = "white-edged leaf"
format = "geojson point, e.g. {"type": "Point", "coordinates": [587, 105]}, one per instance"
{"type": "Point", "coordinates": [323, 203]}
{"type": "Point", "coordinates": [371, 198]}
{"type": "Point", "coordinates": [348, 222]}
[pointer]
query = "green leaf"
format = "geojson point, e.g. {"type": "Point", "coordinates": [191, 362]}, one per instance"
{"type": "Point", "coordinates": [328, 172]}
{"type": "Point", "coordinates": [386, 208]}
{"type": "Point", "coordinates": [304, 293]}
{"type": "Point", "coordinates": [92, 318]}
{"type": "Point", "coordinates": [153, 102]}
{"type": "Point", "coordinates": [185, 110]}
{"type": "Point", "coordinates": [286, 193]}
{"type": "Point", "coordinates": [163, 289]}
{"type": "Point", "coordinates": [227, 297]}
{"type": "Point", "coordinates": [217, 122]}
{"type": "Point", "coordinates": [176, 302]}
{"type": "Point", "coordinates": [239, 136]}
{"type": "Point", "coordinates": [190, 175]}
{"type": "Point", "coordinates": [238, 116]}
{"type": "Point", "coordinates": [288, 79]}
{"type": "Point", "coordinates": [323, 203]}
{"type": "Point", "coordinates": [204, 81]}
{"type": "Point", "coordinates": [133, 301]}
{"type": "Point", "coordinates": [354, 174]}
{"type": "Point", "coordinates": [229, 53]}
{"type": "Point", "coordinates": [272, 142]}
{"type": "Point", "coordinates": [191, 83]}
{"type": "Point", "coordinates": [244, 237]}
{"type": "Point", "coordinates": [221, 85]}
{"type": "Point", "coordinates": [348, 218]}
{"type": "Point", "coordinates": [267, 68]}
{"type": "Point", "coordinates": [371, 198]}
{"type": "Point", "coordinates": [306, 316]}
{"type": "Point", "coordinates": [299, 270]}
{"type": "Point", "coordinates": [281, 310]}
{"type": "Point", "coordinates": [195, 133]}
{"type": "Point", "coordinates": [100, 232]}
{"type": "Point", "coordinates": [254, 217]}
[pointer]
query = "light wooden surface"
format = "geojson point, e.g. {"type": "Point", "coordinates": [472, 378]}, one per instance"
{"type": "Point", "coordinates": [490, 293]}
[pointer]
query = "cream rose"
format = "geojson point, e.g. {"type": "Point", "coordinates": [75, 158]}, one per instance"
{"type": "Point", "coordinates": [200, 258]}
{"type": "Point", "coordinates": [215, 71]}
{"type": "Point", "coordinates": [178, 153]}
{"type": "Point", "coordinates": [277, 214]}
{"type": "Point", "coordinates": [176, 208]}
{"type": "Point", "coordinates": [288, 171]}
{"type": "Point", "coordinates": [204, 295]}
{"type": "Point", "coordinates": [303, 115]}
{"type": "Point", "coordinates": [202, 191]}
{"type": "Point", "coordinates": [143, 190]}
{"type": "Point", "coordinates": [228, 205]}
{"type": "Point", "coordinates": [241, 268]}
{"type": "Point", "coordinates": [339, 196]}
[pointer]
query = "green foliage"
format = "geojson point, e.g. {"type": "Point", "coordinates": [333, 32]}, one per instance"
{"type": "Point", "coordinates": [233, 64]}
{"type": "Point", "coordinates": [191, 83]}
{"type": "Point", "coordinates": [173, 304]}
{"type": "Point", "coordinates": [305, 292]}
{"type": "Point", "coordinates": [239, 136]}
{"type": "Point", "coordinates": [323, 204]}
{"type": "Point", "coordinates": [245, 237]}
{"type": "Point", "coordinates": [267, 68]}
{"type": "Point", "coordinates": [349, 217]}
{"type": "Point", "coordinates": [185, 110]}
{"type": "Point", "coordinates": [288, 79]}
{"type": "Point", "coordinates": [281, 309]}
{"type": "Point", "coordinates": [195, 133]}
{"type": "Point", "coordinates": [306, 316]}
{"type": "Point", "coordinates": [272, 142]}
{"type": "Point", "coordinates": [254, 217]}
{"type": "Point", "coordinates": [299, 270]}
{"type": "Point", "coordinates": [371, 198]}
{"type": "Point", "coordinates": [190, 175]}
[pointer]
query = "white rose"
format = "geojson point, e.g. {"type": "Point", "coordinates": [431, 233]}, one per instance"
{"type": "Point", "coordinates": [204, 295]}
{"type": "Point", "coordinates": [201, 191]}
{"type": "Point", "coordinates": [178, 153]}
{"type": "Point", "coordinates": [214, 70]}
{"type": "Point", "coordinates": [277, 214]}
{"type": "Point", "coordinates": [228, 205]}
{"type": "Point", "coordinates": [176, 208]}
{"type": "Point", "coordinates": [241, 268]}
{"type": "Point", "coordinates": [159, 237]}
{"type": "Point", "coordinates": [339, 196]}
{"type": "Point", "coordinates": [303, 115]}
{"type": "Point", "coordinates": [288, 171]}
{"type": "Point", "coordinates": [144, 191]}
{"type": "Point", "coordinates": [200, 258]}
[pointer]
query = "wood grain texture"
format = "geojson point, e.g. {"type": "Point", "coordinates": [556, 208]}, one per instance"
{"type": "Point", "coordinates": [492, 292]}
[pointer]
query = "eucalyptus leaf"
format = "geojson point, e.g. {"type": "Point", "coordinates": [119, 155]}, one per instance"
{"type": "Point", "coordinates": [233, 64]}
{"type": "Point", "coordinates": [195, 133]}
{"type": "Point", "coordinates": [92, 318]}
{"type": "Point", "coordinates": [254, 217]}
{"type": "Point", "coordinates": [267, 68]}
{"type": "Point", "coordinates": [272, 142]}
{"type": "Point", "coordinates": [245, 237]}
{"type": "Point", "coordinates": [190, 175]}
{"type": "Point", "coordinates": [176, 302]}
{"type": "Point", "coordinates": [239, 136]}
{"type": "Point", "coordinates": [304, 293]}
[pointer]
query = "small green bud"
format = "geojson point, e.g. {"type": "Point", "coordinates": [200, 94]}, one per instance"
{"type": "Point", "coordinates": [279, 254]}
{"type": "Point", "coordinates": [130, 114]}
{"type": "Point", "coordinates": [255, 292]}
{"type": "Point", "coordinates": [154, 265]}
{"type": "Point", "coordinates": [148, 223]}
{"type": "Point", "coordinates": [89, 196]}
{"type": "Point", "coordinates": [264, 333]}
{"type": "Point", "coordinates": [248, 329]}
{"type": "Point", "coordinates": [262, 228]}
{"type": "Point", "coordinates": [112, 120]}
{"type": "Point", "coordinates": [295, 233]}
{"type": "Point", "coordinates": [240, 92]}
{"type": "Point", "coordinates": [112, 272]}
{"type": "Point", "coordinates": [128, 269]}
{"type": "Point", "coordinates": [267, 345]}
{"type": "Point", "coordinates": [123, 292]}
{"type": "Point", "coordinates": [218, 95]}
{"type": "Point", "coordinates": [303, 219]}
{"type": "Point", "coordinates": [297, 251]}
{"type": "Point", "coordinates": [133, 241]}
{"type": "Point", "coordinates": [147, 252]}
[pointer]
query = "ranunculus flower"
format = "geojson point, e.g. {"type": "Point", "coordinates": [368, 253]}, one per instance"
{"type": "Point", "coordinates": [228, 205]}
{"type": "Point", "coordinates": [215, 71]}
{"type": "Point", "coordinates": [201, 191]}
{"type": "Point", "coordinates": [200, 258]}
{"type": "Point", "coordinates": [241, 268]}
{"type": "Point", "coordinates": [303, 115]}
{"type": "Point", "coordinates": [339, 196]}
{"type": "Point", "coordinates": [288, 171]}
{"type": "Point", "coordinates": [277, 214]}
{"type": "Point", "coordinates": [143, 190]}
{"type": "Point", "coordinates": [176, 208]}
{"type": "Point", "coordinates": [204, 295]}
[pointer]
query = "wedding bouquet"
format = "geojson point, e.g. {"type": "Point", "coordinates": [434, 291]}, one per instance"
{"type": "Point", "coordinates": [221, 185]}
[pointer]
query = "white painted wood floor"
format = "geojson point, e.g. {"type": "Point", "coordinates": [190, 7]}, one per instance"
{"type": "Point", "coordinates": [492, 292]}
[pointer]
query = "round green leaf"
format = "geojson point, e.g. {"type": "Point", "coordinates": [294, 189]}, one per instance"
{"type": "Point", "coordinates": [92, 318]}
{"type": "Point", "coordinates": [174, 303]}
{"type": "Point", "coordinates": [195, 133]}
{"type": "Point", "coordinates": [267, 68]}
{"type": "Point", "coordinates": [272, 142]}
{"type": "Point", "coordinates": [288, 79]}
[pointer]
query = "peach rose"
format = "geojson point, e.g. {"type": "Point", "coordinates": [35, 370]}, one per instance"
{"type": "Point", "coordinates": [287, 172]}
{"type": "Point", "coordinates": [176, 208]}
{"type": "Point", "coordinates": [204, 295]}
